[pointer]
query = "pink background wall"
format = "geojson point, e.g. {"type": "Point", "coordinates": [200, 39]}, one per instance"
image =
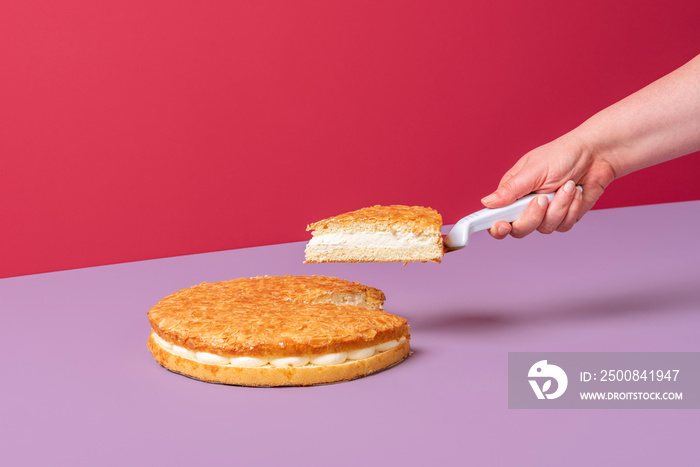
{"type": "Point", "coordinates": [132, 130]}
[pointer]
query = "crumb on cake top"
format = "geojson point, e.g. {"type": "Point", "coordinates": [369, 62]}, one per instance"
{"type": "Point", "coordinates": [274, 316]}
{"type": "Point", "coordinates": [417, 219]}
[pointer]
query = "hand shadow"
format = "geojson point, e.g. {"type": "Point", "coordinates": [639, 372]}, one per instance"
{"type": "Point", "coordinates": [661, 298]}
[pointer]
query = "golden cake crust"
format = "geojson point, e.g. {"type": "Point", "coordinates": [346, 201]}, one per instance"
{"type": "Point", "coordinates": [417, 219]}
{"type": "Point", "coordinates": [274, 316]}
{"type": "Point", "coordinates": [271, 376]}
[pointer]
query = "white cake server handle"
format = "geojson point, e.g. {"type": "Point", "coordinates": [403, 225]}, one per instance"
{"type": "Point", "coordinates": [458, 237]}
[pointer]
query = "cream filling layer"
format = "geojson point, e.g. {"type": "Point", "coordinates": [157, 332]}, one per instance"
{"type": "Point", "coordinates": [279, 362]}
{"type": "Point", "coordinates": [371, 239]}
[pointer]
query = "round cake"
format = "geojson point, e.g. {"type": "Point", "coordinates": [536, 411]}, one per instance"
{"type": "Point", "coordinates": [277, 331]}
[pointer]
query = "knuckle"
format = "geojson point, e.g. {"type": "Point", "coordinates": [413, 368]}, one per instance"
{"type": "Point", "coordinates": [508, 184]}
{"type": "Point", "coordinates": [564, 228]}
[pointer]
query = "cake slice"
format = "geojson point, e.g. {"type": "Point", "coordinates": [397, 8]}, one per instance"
{"type": "Point", "coordinates": [377, 234]}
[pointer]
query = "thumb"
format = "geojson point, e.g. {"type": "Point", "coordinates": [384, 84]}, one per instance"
{"type": "Point", "coordinates": [510, 190]}
{"type": "Point", "coordinates": [591, 193]}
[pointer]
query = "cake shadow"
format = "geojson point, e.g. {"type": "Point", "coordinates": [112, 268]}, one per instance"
{"type": "Point", "coordinates": [461, 321]}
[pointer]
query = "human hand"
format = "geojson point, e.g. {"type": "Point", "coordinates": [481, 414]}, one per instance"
{"type": "Point", "coordinates": [657, 123]}
{"type": "Point", "coordinates": [557, 166]}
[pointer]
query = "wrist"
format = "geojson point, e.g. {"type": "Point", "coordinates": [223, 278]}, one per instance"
{"type": "Point", "coordinates": [595, 148]}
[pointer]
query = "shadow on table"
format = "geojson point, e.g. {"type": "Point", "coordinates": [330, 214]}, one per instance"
{"type": "Point", "coordinates": [663, 298]}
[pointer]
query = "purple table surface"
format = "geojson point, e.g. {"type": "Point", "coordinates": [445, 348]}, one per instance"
{"type": "Point", "coordinates": [79, 386]}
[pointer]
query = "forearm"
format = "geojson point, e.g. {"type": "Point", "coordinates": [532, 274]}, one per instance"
{"type": "Point", "coordinates": [658, 123]}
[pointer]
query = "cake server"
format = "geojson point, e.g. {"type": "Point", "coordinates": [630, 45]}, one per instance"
{"type": "Point", "coordinates": [458, 237]}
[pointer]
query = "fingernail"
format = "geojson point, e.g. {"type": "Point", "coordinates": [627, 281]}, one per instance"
{"type": "Point", "coordinates": [577, 195]}
{"type": "Point", "coordinates": [489, 199]}
{"type": "Point", "coordinates": [542, 201]}
{"type": "Point", "coordinates": [569, 186]}
{"type": "Point", "coordinates": [502, 230]}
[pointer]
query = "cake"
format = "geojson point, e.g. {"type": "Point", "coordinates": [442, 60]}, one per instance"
{"type": "Point", "coordinates": [277, 331]}
{"type": "Point", "coordinates": [377, 233]}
